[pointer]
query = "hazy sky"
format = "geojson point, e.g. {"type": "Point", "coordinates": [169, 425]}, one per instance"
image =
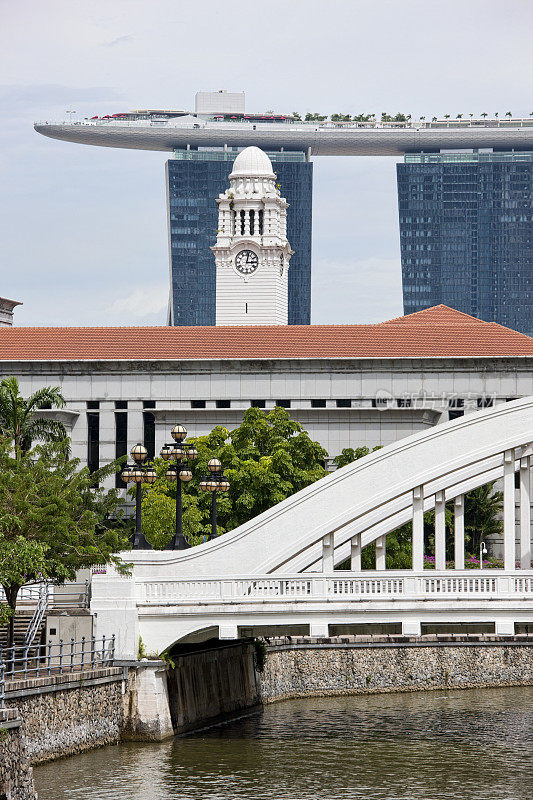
{"type": "Point", "coordinates": [83, 229]}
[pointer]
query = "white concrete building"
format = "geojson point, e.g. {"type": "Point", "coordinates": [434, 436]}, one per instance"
{"type": "Point", "coordinates": [252, 253]}
{"type": "Point", "coordinates": [348, 385]}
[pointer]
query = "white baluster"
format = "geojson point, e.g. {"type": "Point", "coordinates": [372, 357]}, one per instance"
{"type": "Point", "coordinates": [509, 547]}
{"type": "Point", "coordinates": [418, 528]}
{"type": "Point", "coordinates": [459, 526]}
{"type": "Point", "coordinates": [356, 553]}
{"type": "Point", "coordinates": [440, 531]}
{"type": "Point", "coordinates": [381, 552]}
{"type": "Point", "coordinates": [525, 513]}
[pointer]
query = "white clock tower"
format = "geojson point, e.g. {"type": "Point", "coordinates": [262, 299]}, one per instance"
{"type": "Point", "coordinates": [252, 253]}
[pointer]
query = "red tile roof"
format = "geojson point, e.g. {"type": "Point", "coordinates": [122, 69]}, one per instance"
{"type": "Point", "coordinates": [438, 332]}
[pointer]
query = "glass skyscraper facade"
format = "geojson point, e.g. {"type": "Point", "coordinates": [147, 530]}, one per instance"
{"type": "Point", "coordinates": [195, 178]}
{"type": "Point", "coordinates": [466, 234]}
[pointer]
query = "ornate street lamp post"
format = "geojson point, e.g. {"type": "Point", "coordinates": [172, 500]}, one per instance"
{"type": "Point", "coordinates": [215, 482]}
{"type": "Point", "coordinates": [138, 473]}
{"type": "Point", "coordinates": [179, 472]}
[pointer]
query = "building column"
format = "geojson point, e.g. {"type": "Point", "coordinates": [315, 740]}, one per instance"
{"type": "Point", "coordinates": [509, 546]}
{"type": "Point", "coordinates": [355, 554]}
{"type": "Point", "coordinates": [327, 553]}
{"type": "Point", "coordinates": [525, 513]}
{"type": "Point", "coordinates": [418, 528]}
{"type": "Point", "coordinates": [459, 529]}
{"type": "Point", "coordinates": [440, 531]}
{"type": "Point", "coordinates": [247, 222]}
{"type": "Point", "coordinates": [381, 553]}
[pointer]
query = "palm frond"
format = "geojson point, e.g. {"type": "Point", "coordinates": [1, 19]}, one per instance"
{"type": "Point", "coordinates": [47, 397]}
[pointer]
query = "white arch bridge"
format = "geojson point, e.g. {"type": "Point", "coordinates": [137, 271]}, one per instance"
{"type": "Point", "coordinates": [278, 570]}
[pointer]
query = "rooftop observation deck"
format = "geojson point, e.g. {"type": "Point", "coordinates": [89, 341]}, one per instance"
{"type": "Point", "coordinates": [178, 130]}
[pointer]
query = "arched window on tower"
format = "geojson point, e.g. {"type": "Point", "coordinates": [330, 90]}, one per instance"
{"type": "Point", "coordinates": [242, 222]}
{"type": "Point", "coordinates": [252, 222]}
{"type": "Point", "coordinates": [260, 221]}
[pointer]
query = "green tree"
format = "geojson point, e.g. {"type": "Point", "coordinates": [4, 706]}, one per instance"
{"type": "Point", "coordinates": [54, 520]}
{"type": "Point", "coordinates": [349, 454]}
{"type": "Point", "coordinates": [483, 507]}
{"type": "Point", "coordinates": [296, 115]}
{"type": "Point", "coordinates": [20, 422]}
{"type": "Point", "coordinates": [267, 458]}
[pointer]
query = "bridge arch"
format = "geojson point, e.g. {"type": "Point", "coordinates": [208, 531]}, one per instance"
{"type": "Point", "coordinates": [363, 501]}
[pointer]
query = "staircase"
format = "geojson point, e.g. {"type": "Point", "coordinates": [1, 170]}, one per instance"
{"type": "Point", "coordinates": [22, 620]}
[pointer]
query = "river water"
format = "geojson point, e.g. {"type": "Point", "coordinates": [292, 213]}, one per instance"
{"type": "Point", "coordinates": [462, 745]}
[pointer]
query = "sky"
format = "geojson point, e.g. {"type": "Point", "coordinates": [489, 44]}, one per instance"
{"type": "Point", "coordinates": [83, 237]}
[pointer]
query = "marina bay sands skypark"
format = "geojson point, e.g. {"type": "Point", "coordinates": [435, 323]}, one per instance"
{"type": "Point", "coordinates": [474, 254]}
{"type": "Point", "coordinates": [219, 120]}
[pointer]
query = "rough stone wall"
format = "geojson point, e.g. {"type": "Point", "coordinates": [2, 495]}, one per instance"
{"type": "Point", "coordinates": [212, 684]}
{"type": "Point", "coordinates": [336, 668]}
{"type": "Point", "coordinates": [73, 719]}
{"type": "Point", "coordinates": [16, 775]}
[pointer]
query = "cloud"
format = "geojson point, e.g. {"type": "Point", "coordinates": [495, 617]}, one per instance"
{"type": "Point", "coordinates": [142, 301]}
{"type": "Point", "coordinates": [126, 39]}
{"type": "Point", "coordinates": [40, 94]}
{"type": "Point", "coordinates": [356, 292]}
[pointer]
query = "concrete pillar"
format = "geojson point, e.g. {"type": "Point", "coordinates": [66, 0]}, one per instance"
{"type": "Point", "coordinates": [504, 627]}
{"type": "Point", "coordinates": [355, 554]}
{"type": "Point", "coordinates": [411, 627]}
{"type": "Point", "coordinates": [459, 527]}
{"type": "Point", "coordinates": [114, 610]}
{"type": "Point", "coordinates": [509, 546]}
{"type": "Point", "coordinates": [440, 531]}
{"type": "Point", "coordinates": [418, 528]}
{"type": "Point", "coordinates": [525, 513]}
{"type": "Point", "coordinates": [381, 552]}
{"type": "Point", "coordinates": [327, 553]}
{"type": "Point", "coordinates": [319, 629]}
{"type": "Point", "coordinates": [228, 631]}
{"type": "Point", "coordinates": [146, 703]}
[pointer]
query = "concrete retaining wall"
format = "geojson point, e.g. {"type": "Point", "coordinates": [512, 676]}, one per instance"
{"type": "Point", "coordinates": [16, 775]}
{"type": "Point", "coordinates": [213, 684]}
{"type": "Point", "coordinates": [305, 666]}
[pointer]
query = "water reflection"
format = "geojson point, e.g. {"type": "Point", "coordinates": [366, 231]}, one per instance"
{"type": "Point", "coordinates": [472, 745]}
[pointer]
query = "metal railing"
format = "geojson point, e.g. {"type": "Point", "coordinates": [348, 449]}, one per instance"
{"type": "Point", "coordinates": [68, 595]}
{"type": "Point", "coordinates": [201, 122]}
{"type": "Point", "coordinates": [54, 658]}
{"type": "Point", "coordinates": [38, 615]}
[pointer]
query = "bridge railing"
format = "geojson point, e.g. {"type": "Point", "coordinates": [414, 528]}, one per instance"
{"type": "Point", "coordinates": [494, 584]}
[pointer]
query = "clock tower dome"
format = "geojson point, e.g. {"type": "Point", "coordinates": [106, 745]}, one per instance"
{"type": "Point", "coordinates": [252, 253]}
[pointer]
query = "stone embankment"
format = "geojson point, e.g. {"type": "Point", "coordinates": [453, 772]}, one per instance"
{"type": "Point", "coordinates": [66, 714]}
{"type": "Point", "coordinates": [16, 775]}
{"type": "Point", "coordinates": [305, 666]}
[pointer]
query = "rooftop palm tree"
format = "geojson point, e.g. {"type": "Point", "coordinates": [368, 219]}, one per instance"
{"type": "Point", "coordinates": [484, 115]}
{"type": "Point", "coordinates": [19, 417]}
{"type": "Point", "coordinates": [509, 114]}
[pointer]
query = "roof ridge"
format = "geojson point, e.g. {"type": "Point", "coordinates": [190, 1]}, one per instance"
{"type": "Point", "coordinates": [436, 315]}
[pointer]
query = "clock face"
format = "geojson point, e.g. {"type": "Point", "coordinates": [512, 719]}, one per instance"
{"type": "Point", "coordinates": [246, 262]}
